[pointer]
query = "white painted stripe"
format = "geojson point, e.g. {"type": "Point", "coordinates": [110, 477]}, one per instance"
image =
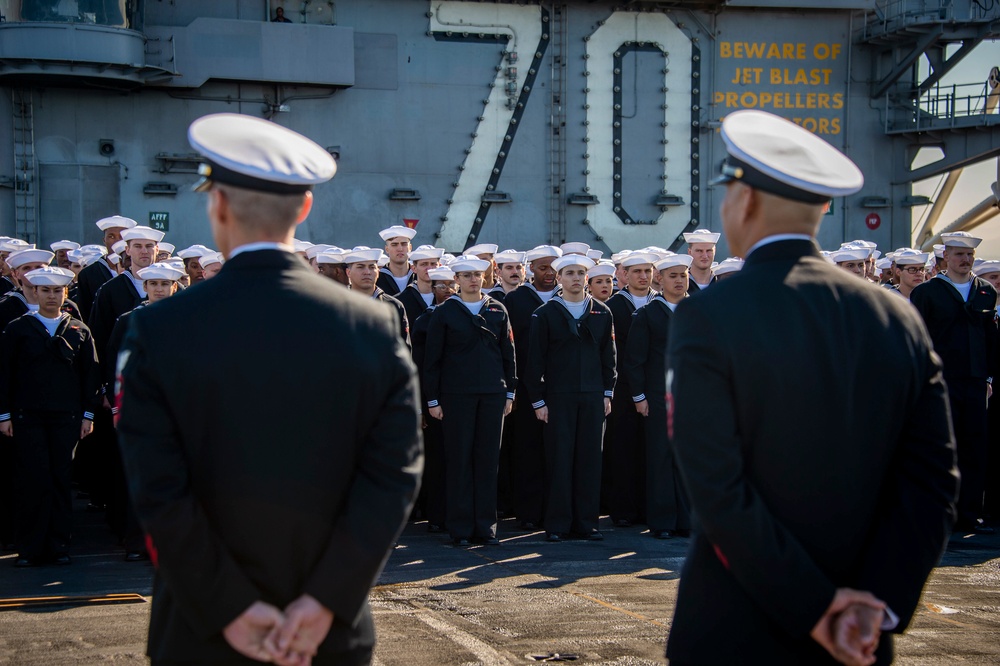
{"type": "Point", "coordinates": [485, 654]}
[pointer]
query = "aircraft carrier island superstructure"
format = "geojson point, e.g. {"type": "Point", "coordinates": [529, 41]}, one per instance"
{"type": "Point", "coordinates": [516, 123]}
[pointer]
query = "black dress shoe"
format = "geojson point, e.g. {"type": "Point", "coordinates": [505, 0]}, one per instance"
{"type": "Point", "coordinates": [594, 535]}
{"type": "Point", "coordinates": [975, 527]}
{"type": "Point", "coordinates": [661, 534]}
{"type": "Point", "coordinates": [25, 562]}
{"type": "Point", "coordinates": [61, 560]}
{"type": "Point", "coordinates": [553, 536]}
{"type": "Point", "coordinates": [461, 543]}
{"type": "Point", "coordinates": [621, 522]}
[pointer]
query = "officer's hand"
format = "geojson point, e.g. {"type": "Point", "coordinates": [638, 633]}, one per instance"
{"type": "Point", "coordinates": [106, 403]}
{"type": "Point", "coordinates": [509, 405]}
{"type": "Point", "coordinates": [307, 622]}
{"type": "Point", "coordinates": [542, 414]}
{"type": "Point", "coordinates": [857, 630]}
{"type": "Point", "coordinates": [6, 428]}
{"type": "Point", "coordinates": [989, 391]}
{"type": "Point", "coordinates": [436, 412]}
{"type": "Point", "coordinates": [824, 632]}
{"type": "Point", "coordinates": [642, 407]}
{"type": "Point", "coordinates": [607, 406]}
{"type": "Point", "coordinates": [247, 632]}
{"type": "Point", "coordinates": [86, 427]}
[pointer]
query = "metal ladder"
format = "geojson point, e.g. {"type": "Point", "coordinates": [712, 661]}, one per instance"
{"type": "Point", "coordinates": [25, 182]}
{"type": "Point", "coordinates": [557, 125]}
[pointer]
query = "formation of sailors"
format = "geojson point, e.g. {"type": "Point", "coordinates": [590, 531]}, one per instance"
{"type": "Point", "coordinates": [542, 372]}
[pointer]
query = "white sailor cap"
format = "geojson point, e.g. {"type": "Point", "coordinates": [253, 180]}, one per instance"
{"type": "Point", "coordinates": [775, 155]}
{"type": "Point", "coordinates": [602, 269]}
{"type": "Point", "coordinates": [85, 258]}
{"type": "Point", "coordinates": [443, 273]}
{"type": "Point", "coordinates": [119, 247]}
{"type": "Point", "coordinates": [49, 275]}
{"type": "Point", "coordinates": [313, 251]}
{"type": "Point", "coordinates": [862, 245]}
{"type": "Point", "coordinates": [15, 244]}
{"type": "Point", "coordinates": [617, 257]}
{"type": "Point", "coordinates": [335, 256]}
{"type": "Point", "coordinates": [939, 251]}
{"type": "Point", "coordinates": [701, 236]}
{"type": "Point", "coordinates": [176, 262]}
{"type": "Point", "coordinates": [639, 258]}
{"type": "Point", "coordinates": [301, 245]}
{"type": "Point", "coordinates": [426, 252]}
{"type": "Point", "coordinates": [142, 233]}
{"type": "Point", "coordinates": [960, 239]}
{"type": "Point", "coordinates": [447, 258]}
{"type": "Point", "coordinates": [115, 258]}
{"type": "Point", "coordinates": [910, 258]}
{"type": "Point", "coordinates": [883, 263]}
{"type": "Point", "coordinates": [573, 259]}
{"type": "Point", "coordinates": [160, 271]}
{"type": "Point", "coordinates": [595, 254]}
{"type": "Point", "coordinates": [654, 249]}
{"type": "Point", "coordinates": [468, 262]}
{"type": "Point", "coordinates": [64, 245]}
{"type": "Point", "coordinates": [673, 261]}
{"type": "Point", "coordinates": [257, 154]}
{"type": "Point", "coordinates": [849, 254]}
{"type": "Point", "coordinates": [482, 248]}
{"type": "Point", "coordinates": [396, 231]}
{"type": "Point", "coordinates": [194, 252]}
{"type": "Point", "coordinates": [575, 248]}
{"type": "Point", "coordinates": [95, 248]}
{"type": "Point", "coordinates": [508, 257]}
{"type": "Point", "coordinates": [207, 260]}
{"type": "Point", "coordinates": [542, 252]}
{"type": "Point", "coordinates": [362, 254]}
{"type": "Point", "coordinates": [987, 267]}
{"type": "Point", "coordinates": [30, 256]}
{"type": "Point", "coordinates": [383, 260]}
{"type": "Point", "coordinates": [116, 222]}
{"type": "Point", "coordinates": [728, 265]}
{"type": "Point", "coordinates": [165, 247]}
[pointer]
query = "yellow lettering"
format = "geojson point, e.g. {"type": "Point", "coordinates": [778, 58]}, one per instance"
{"type": "Point", "coordinates": [798, 101]}
{"type": "Point", "coordinates": [800, 77]}
{"type": "Point", "coordinates": [800, 51]}
{"type": "Point", "coordinates": [838, 101]}
{"type": "Point", "coordinates": [821, 51]}
{"type": "Point", "coordinates": [765, 99]}
{"type": "Point", "coordinates": [811, 100]}
{"type": "Point", "coordinates": [718, 97]}
{"type": "Point", "coordinates": [775, 76]}
{"type": "Point", "coordinates": [810, 124]}
{"type": "Point", "coordinates": [774, 51]}
{"type": "Point", "coordinates": [823, 101]}
{"type": "Point", "coordinates": [835, 126]}
{"type": "Point", "coordinates": [824, 125]}
{"type": "Point", "coordinates": [725, 50]}
{"type": "Point", "coordinates": [835, 50]}
{"type": "Point", "coordinates": [754, 50]}
{"type": "Point", "coordinates": [731, 100]}
{"type": "Point", "coordinates": [788, 51]}
{"type": "Point", "coordinates": [778, 101]}
{"type": "Point", "coordinates": [748, 100]}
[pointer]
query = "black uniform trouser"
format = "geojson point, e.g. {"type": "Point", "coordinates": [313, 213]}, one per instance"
{"type": "Point", "coordinates": [573, 437]}
{"type": "Point", "coordinates": [968, 416]}
{"type": "Point", "coordinates": [627, 457]}
{"type": "Point", "coordinates": [8, 496]}
{"type": "Point", "coordinates": [44, 443]}
{"type": "Point", "coordinates": [472, 424]}
{"type": "Point", "coordinates": [667, 505]}
{"type": "Point", "coordinates": [433, 485]}
{"type": "Point", "coordinates": [992, 495]}
{"type": "Point", "coordinates": [527, 462]}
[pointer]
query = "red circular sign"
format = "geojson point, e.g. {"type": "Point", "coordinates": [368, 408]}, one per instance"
{"type": "Point", "coordinates": [873, 221]}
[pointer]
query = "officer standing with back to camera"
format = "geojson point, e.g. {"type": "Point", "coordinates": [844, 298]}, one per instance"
{"type": "Point", "coordinates": [819, 517]}
{"type": "Point", "coordinates": [266, 551]}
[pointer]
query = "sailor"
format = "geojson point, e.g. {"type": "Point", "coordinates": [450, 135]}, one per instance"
{"type": "Point", "coordinates": [778, 569]}
{"type": "Point", "coordinates": [959, 310]}
{"type": "Point", "coordinates": [313, 253]}
{"type": "Point", "coordinates": [643, 364]}
{"type": "Point", "coordinates": [852, 260]}
{"type": "Point", "coordinates": [159, 280]}
{"type": "Point", "coordinates": [701, 246]}
{"type": "Point", "coordinates": [486, 252]}
{"type": "Point", "coordinates": [361, 265]}
{"type": "Point", "coordinates": [394, 277]}
{"type": "Point", "coordinates": [727, 268]}
{"type": "Point", "coordinates": [469, 375]}
{"type": "Point", "coordinates": [164, 251]}
{"type": "Point", "coordinates": [123, 292]}
{"type": "Point", "coordinates": [192, 266]}
{"type": "Point", "coordinates": [576, 248]}
{"type": "Point", "coordinates": [61, 248]}
{"type": "Point", "coordinates": [908, 266]}
{"type": "Point", "coordinates": [94, 275]}
{"type": "Point", "coordinates": [510, 273]}
{"type": "Point", "coordinates": [600, 281]}
{"type": "Point", "coordinates": [431, 502]}
{"type": "Point", "coordinates": [418, 295]}
{"type": "Point", "coordinates": [989, 270]}
{"type": "Point", "coordinates": [570, 377]}
{"type": "Point", "coordinates": [271, 510]}
{"type": "Point", "coordinates": [527, 454]}
{"type": "Point", "coordinates": [211, 264]}
{"type": "Point", "coordinates": [8, 246]}
{"type": "Point", "coordinates": [940, 263]}
{"type": "Point", "coordinates": [22, 300]}
{"type": "Point", "coordinates": [625, 443]}
{"type": "Point", "coordinates": [48, 393]}
{"type": "Point", "coordinates": [331, 264]}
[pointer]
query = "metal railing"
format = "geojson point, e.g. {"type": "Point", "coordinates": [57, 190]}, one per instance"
{"type": "Point", "coordinates": [945, 106]}
{"type": "Point", "coordinates": [891, 15]}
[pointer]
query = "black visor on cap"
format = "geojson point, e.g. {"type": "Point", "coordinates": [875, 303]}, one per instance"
{"type": "Point", "coordinates": [216, 173]}
{"type": "Point", "coordinates": [736, 169]}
